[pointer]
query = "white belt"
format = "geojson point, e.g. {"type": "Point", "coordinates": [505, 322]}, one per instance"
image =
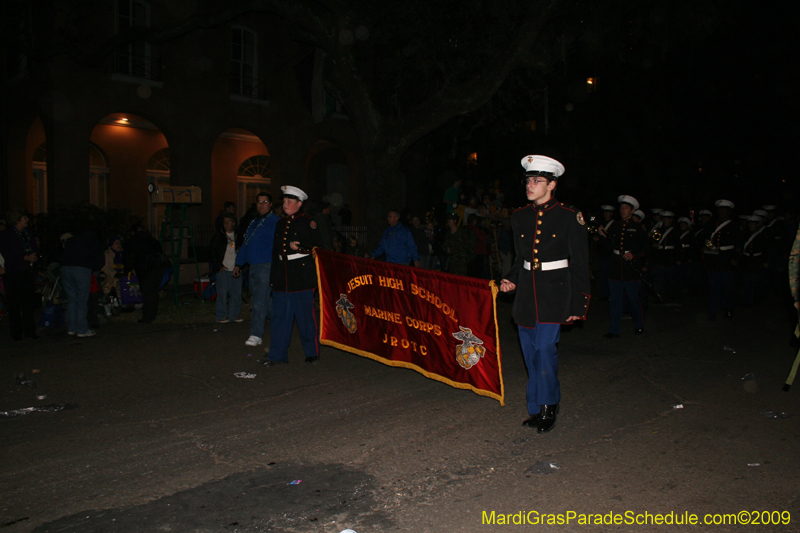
{"type": "Point", "coordinates": [666, 247]}
{"type": "Point", "coordinates": [728, 247]}
{"type": "Point", "coordinates": [293, 256]}
{"type": "Point", "coordinates": [618, 252]}
{"type": "Point", "coordinates": [748, 254]}
{"type": "Point", "coordinates": [547, 265]}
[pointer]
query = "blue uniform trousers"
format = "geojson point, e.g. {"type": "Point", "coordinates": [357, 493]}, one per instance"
{"type": "Point", "coordinates": [541, 359]}
{"type": "Point", "coordinates": [720, 290]}
{"type": "Point", "coordinates": [627, 291]}
{"type": "Point", "coordinates": [286, 306]}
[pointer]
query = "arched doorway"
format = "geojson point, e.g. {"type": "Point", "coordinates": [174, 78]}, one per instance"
{"type": "Point", "coordinates": [98, 177]}
{"type": "Point", "coordinates": [39, 199]}
{"type": "Point", "coordinates": [240, 168]}
{"type": "Point", "coordinates": [254, 176]}
{"type": "Point", "coordinates": [134, 152]}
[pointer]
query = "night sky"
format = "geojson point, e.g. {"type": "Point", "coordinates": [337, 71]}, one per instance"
{"type": "Point", "coordinates": [692, 104]}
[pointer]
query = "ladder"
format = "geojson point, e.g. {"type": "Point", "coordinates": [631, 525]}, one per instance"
{"type": "Point", "coordinates": [175, 241]}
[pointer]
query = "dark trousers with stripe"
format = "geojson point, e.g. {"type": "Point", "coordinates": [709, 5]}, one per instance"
{"type": "Point", "coordinates": [624, 291]}
{"type": "Point", "coordinates": [286, 307]}
{"type": "Point", "coordinates": [541, 359]}
{"type": "Point", "coordinates": [720, 290]}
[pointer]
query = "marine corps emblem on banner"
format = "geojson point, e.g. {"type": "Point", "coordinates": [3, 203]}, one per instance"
{"type": "Point", "coordinates": [470, 351]}
{"type": "Point", "coordinates": [343, 307]}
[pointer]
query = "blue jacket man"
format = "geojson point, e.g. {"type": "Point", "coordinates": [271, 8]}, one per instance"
{"type": "Point", "coordinates": [397, 243]}
{"type": "Point", "coordinates": [256, 251]}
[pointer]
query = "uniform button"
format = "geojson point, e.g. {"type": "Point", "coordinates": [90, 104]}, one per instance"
{"type": "Point", "coordinates": [538, 221]}
{"type": "Point", "coordinates": [522, 236]}
{"type": "Point", "coordinates": [541, 213]}
{"type": "Point", "coordinates": [538, 232]}
{"type": "Point", "coordinates": [535, 251]}
{"type": "Point", "coordinates": [554, 234]}
{"type": "Point", "coordinates": [536, 241]}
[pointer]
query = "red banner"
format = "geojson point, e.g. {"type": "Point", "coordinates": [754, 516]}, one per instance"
{"type": "Point", "coordinates": [441, 325]}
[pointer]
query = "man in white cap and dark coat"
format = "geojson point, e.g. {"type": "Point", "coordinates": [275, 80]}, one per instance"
{"type": "Point", "coordinates": [719, 259]}
{"type": "Point", "coordinates": [551, 277]}
{"type": "Point", "coordinates": [603, 257]}
{"type": "Point", "coordinates": [666, 257]}
{"type": "Point", "coordinates": [629, 243]}
{"type": "Point", "coordinates": [294, 280]}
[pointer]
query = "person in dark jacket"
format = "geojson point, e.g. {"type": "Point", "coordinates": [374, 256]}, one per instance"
{"type": "Point", "coordinates": [145, 257]}
{"type": "Point", "coordinates": [225, 244]}
{"type": "Point", "coordinates": [551, 278]}
{"type": "Point", "coordinates": [628, 243]}
{"type": "Point", "coordinates": [19, 250]}
{"type": "Point", "coordinates": [83, 255]}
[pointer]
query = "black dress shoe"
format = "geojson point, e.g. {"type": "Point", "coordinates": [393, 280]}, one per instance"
{"type": "Point", "coordinates": [312, 359]}
{"type": "Point", "coordinates": [533, 421]}
{"type": "Point", "coordinates": [611, 336]}
{"type": "Point", "coordinates": [269, 362]}
{"type": "Point", "coordinates": [639, 331]}
{"type": "Point", "coordinates": [548, 420]}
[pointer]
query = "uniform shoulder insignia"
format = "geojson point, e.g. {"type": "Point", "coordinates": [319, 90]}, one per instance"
{"type": "Point", "coordinates": [313, 225]}
{"type": "Point", "coordinates": [580, 219]}
{"type": "Point", "coordinates": [521, 208]}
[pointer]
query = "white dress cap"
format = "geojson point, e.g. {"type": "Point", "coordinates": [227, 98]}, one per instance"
{"type": "Point", "coordinates": [639, 213]}
{"type": "Point", "coordinates": [668, 214]}
{"type": "Point", "coordinates": [607, 208]}
{"type": "Point", "coordinates": [542, 163]}
{"type": "Point", "coordinates": [625, 199]}
{"type": "Point", "coordinates": [685, 219]}
{"type": "Point", "coordinates": [656, 211]}
{"type": "Point", "coordinates": [724, 203]}
{"type": "Point", "coordinates": [754, 218]}
{"type": "Point", "coordinates": [705, 212]}
{"type": "Point", "coordinates": [760, 213]}
{"type": "Point", "coordinates": [293, 192]}
{"type": "Point", "coordinates": [769, 208]}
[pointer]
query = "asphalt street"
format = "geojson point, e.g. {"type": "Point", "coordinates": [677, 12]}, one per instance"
{"type": "Point", "coordinates": [160, 435]}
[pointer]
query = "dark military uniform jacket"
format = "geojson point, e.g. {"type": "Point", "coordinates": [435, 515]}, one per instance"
{"type": "Point", "coordinates": [542, 234]}
{"type": "Point", "coordinates": [666, 251]}
{"type": "Point", "coordinates": [755, 252]}
{"type": "Point", "coordinates": [720, 255]}
{"type": "Point", "coordinates": [627, 236]}
{"type": "Point", "coordinates": [294, 270]}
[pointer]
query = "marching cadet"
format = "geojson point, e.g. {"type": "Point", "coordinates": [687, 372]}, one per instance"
{"type": "Point", "coordinates": [686, 268]}
{"type": "Point", "coordinates": [603, 257]}
{"type": "Point", "coordinates": [294, 280]}
{"type": "Point", "coordinates": [638, 216]}
{"type": "Point", "coordinates": [719, 259]}
{"type": "Point", "coordinates": [754, 261]}
{"type": "Point", "coordinates": [657, 222]}
{"type": "Point", "coordinates": [776, 251]}
{"type": "Point", "coordinates": [551, 277]}
{"type": "Point", "coordinates": [629, 243]}
{"type": "Point", "coordinates": [665, 259]}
